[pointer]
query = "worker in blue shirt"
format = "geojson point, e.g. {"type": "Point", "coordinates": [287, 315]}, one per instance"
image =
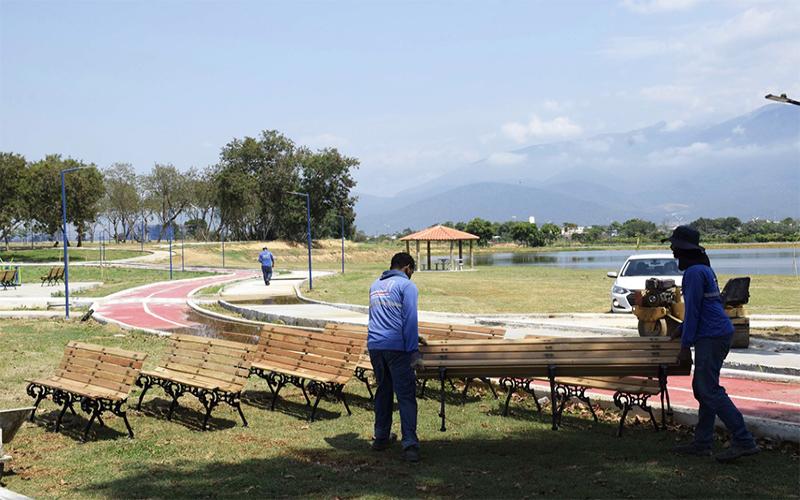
{"type": "Point", "coordinates": [393, 343]}
{"type": "Point", "coordinates": [267, 261]}
{"type": "Point", "coordinates": [707, 328]}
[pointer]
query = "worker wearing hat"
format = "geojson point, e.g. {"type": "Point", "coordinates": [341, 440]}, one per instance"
{"type": "Point", "coordinates": [708, 329]}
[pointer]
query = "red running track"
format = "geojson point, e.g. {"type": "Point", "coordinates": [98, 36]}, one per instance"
{"type": "Point", "coordinates": [162, 306]}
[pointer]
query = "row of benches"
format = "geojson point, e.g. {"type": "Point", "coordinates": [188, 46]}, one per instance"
{"type": "Point", "coordinates": [321, 363]}
{"type": "Point", "coordinates": [8, 278]}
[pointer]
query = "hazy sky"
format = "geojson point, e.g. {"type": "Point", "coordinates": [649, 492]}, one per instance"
{"type": "Point", "coordinates": [410, 88]}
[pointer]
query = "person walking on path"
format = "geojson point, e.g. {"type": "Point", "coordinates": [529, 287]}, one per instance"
{"type": "Point", "coordinates": [708, 329]}
{"type": "Point", "coordinates": [393, 344]}
{"type": "Point", "coordinates": [267, 261]}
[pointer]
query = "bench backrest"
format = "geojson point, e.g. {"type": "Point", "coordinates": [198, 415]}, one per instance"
{"type": "Point", "coordinates": [571, 357]}
{"type": "Point", "coordinates": [443, 331]}
{"type": "Point", "coordinates": [335, 355]}
{"type": "Point", "coordinates": [59, 275]}
{"type": "Point", "coordinates": [217, 360]}
{"type": "Point", "coordinates": [96, 365]}
{"type": "Point", "coordinates": [4, 276]}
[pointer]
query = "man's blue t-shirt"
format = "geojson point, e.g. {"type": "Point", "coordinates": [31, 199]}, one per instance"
{"type": "Point", "coordinates": [266, 258]}
{"type": "Point", "coordinates": [393, 313]}
{"type": "Point", "coordinates": [704, 315]}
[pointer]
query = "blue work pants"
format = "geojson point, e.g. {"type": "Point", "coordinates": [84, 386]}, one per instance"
{"type": "Point", "coordinates": [267, 272]}
{"type": "Point", "coordinates": [709, 353]}
{"type": "Point", "coordinates": [395, 375]}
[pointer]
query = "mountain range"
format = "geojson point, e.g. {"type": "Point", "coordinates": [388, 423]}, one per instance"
{"type": "Point", "coordinates": [745, 167]}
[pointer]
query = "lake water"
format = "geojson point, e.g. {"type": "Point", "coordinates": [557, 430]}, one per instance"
{"type": "Point", "coordinates": [726, 261]}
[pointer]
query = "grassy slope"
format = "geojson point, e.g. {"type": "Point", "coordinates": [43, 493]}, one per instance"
{"type": "Point", "coordinates": [482, 455]}
{"type": "Point", "coordinates": [75, 254]}
{"type": "Point", "coordinates": [114, 278]}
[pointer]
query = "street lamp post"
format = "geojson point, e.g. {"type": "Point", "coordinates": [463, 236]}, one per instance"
{"type": "Point", "coordinates": [781, 98]}
{"type": "Point", "coordinates": [308, 231]}
{"type": "Point", "coordinates": [183, 242]}
{"type": "Point", "coordinates": [170, 250]}
{"type": "Point", "coordinates": [342, 219]}
{"type": "Point", "coordinates": [64, 237]}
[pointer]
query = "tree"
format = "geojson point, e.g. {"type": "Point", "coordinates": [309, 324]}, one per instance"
{"type": "Point", "coordinates": [527, 234]}
{"type": "Point", "coordinates": [202, 201]}
{"type": "Point", "coordinates": [633, 228]}
{"type": "Point", "coordinates": [481, 228]}
{"type": "Point", "coordinates": [550, 232]}
{"type": "Point", "coordinates": [167, 194]}
{"type": "Point", "coordinates": [14, 206]}
{"type": "Point", "coordinates": [84, 190]}
{"type": "Point", "coordinates": [327, 178]}
{"type": "Point", "coordinates": [122, 202]}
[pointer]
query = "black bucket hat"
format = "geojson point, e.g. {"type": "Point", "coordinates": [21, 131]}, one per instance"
{"type": "Point", "coordinates": [685, 238]}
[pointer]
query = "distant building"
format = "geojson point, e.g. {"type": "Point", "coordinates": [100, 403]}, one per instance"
{"type": "Point", "coordinates": [532, 219]}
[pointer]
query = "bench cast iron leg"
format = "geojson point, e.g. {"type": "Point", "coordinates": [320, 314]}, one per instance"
{"type": "Point", "coordinates": [58, 398]}
{"type": "Point", "coordinates": [278, 387]}
{"type": "Point", "coordinates": [39, 393]}
{"type": "Point", "coordinates": [551, 373]}
{"type": "Point", "coordinates": [305, 394]}
{"type": "Point", "coordinates": [342, 398]}
{"type": "Point", "coordinates": [510, 385]}
{"type": "Point", "coordinates": [662, 382]}
{"type": "Point", "coordinates": [145, 383]}
{"type": "Point", "coordinates": [442, 377]}
{"type": "Point", "coordinates": [467, 382]}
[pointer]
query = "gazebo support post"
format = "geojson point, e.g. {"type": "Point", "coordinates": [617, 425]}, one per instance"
{"type": "Point", "coordinates": [408, 248]}
{"type": "Point", "coordinates": [450, 262]}
{"type": "Point", "coordinates": [429, 255]}
{"type": "Point", "coordinates": [471, 258]}
{"type": "Point", "coordinates": [461, 252]}
{"type": "Point", "coordinates": [417, 261]}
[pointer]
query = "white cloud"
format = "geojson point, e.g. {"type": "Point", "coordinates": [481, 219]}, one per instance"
{"type": "Point", "coordinates": [657, 6]}
{"type": "Point", "coordinates": [538, 129]}
{"type": "Point", "coordinates": [323, 140]}
{"type": "Point", "coordinates": [674, 125]}
{"type": "Point", "coordinates": [738, 130]}
{"type": "Point", "coordinates": [597, 145]}
{"type": "Point", "coordinates": [502, 159]}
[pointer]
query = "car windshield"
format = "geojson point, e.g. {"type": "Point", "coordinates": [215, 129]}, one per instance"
{"type": "Point", "coordinates": [651, 267]}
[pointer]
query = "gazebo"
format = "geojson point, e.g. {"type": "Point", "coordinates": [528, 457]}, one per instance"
{"type": "Point", "coordinates": [442, 233]}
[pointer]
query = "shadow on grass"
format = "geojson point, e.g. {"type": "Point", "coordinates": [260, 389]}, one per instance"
{"type": "Point", "coordinates": [573, 464]}
{"type": "Point", "coordinates": [72, 426]}
{"type": "Point", "coordinates": [186, 416]}
{"type": "Point", "coordinates": [263, 401]}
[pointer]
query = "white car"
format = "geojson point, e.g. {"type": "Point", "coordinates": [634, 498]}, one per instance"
{"type": "Point", "coordinates": [635, 271]}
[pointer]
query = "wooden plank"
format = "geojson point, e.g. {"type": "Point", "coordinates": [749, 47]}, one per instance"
{"type": "Point", "coordinates": [122, 353]}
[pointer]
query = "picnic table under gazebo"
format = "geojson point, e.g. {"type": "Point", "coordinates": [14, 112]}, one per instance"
{"type": "Point", "coordinates": [442, 233]}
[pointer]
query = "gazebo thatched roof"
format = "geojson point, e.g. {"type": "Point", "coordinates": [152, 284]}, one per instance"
{"type": "Point", "coordinates": [439, 233]}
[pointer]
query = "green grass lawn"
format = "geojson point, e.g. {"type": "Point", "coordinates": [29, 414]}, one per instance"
{"type": "Point", "coordinates": [482, 455]}
{"type": "Point", "coordinates": [528, 289]}
{"type": "Point", "coordinates": [114, 279]}
{"type": "Point", "coordinates": [75, 254]}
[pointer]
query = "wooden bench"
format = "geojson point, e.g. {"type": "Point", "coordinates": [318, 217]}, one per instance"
{"type": "Point", "coordinates": [8, 278]}
{"type": "Point", "coordinates": [427, 331]}
{"type": "Point", "coordinates": [317, 362]}
{"type": "Point", "coordinates": [10, 422]}
{"type": "Point", "coordinates": [554, 358]}
{"type": "Point", "coordinates": [443, 331]}
{"type": "Point", "coordinates": [99, 378]}
{"type": "Point", "coordinates": [212, 370]}
{"type": "Point", "coordinates": [55, 275]}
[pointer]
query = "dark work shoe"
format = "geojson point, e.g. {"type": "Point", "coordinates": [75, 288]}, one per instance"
{"type": "Point", "coordinates": [692, 449]}
{"type": "Point", "coordinates": [411, 454]}
{"type": "Point", "coordinates": [735, 452]}
{"type": "Point", "coordinates": [382, 444]}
